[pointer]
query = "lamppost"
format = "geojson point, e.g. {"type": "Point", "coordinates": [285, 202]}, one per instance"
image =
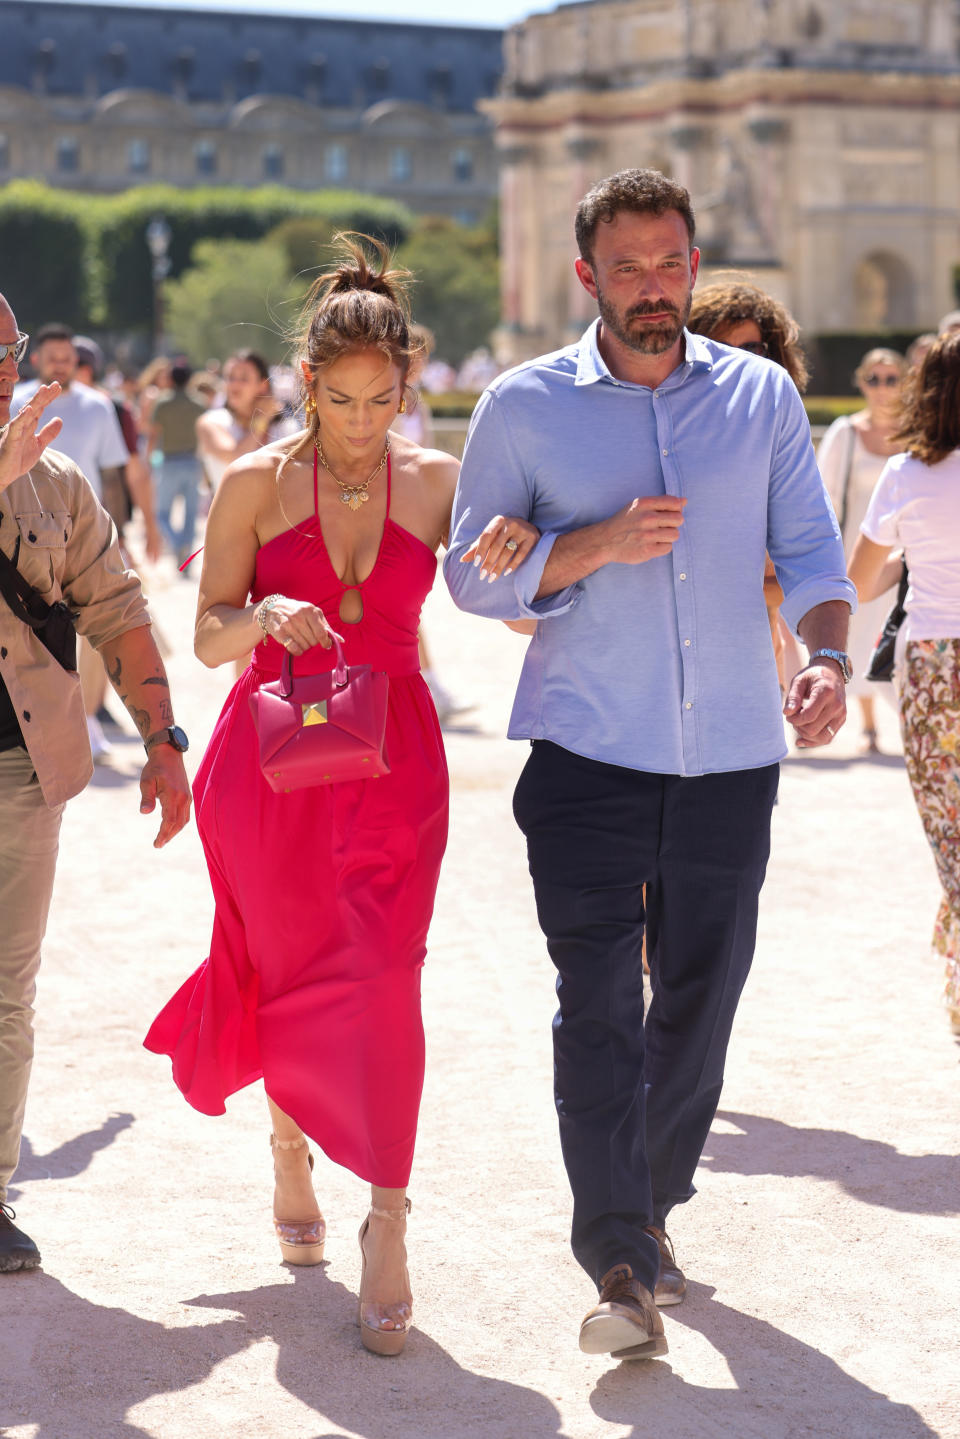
{"type": "Point", "coordinates": [158, 243]}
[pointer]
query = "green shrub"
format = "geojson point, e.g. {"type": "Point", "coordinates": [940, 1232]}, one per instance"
{"type": "Point", "coordinates": [213, 213]}
{"type": "Point", "coordinates": [44, 255]}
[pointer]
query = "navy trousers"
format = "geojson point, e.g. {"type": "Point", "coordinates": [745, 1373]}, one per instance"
{"type": "Point", "coordinates": [636, 1097]}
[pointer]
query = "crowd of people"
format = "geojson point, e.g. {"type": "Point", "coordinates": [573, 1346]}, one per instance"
{"type": "Point", "coordinates": [647, 504]}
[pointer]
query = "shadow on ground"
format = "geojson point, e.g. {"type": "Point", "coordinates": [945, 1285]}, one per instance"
{"type": "Point", "coordinates": [779, 1387]}
{"type": "Point", "coordinates": [866, 1169]}
{"type": "Point", "coordinates": [67, 1159]}
{"type": "Point", "coordinates": [116, 1361]}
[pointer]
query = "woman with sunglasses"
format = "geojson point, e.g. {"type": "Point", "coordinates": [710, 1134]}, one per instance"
{"type": "Point", "coordinates": [851, 455]}
{"type": "Point", "coordinates": [738, 314]}
{"type": "Point", "coordinates": [916, 508]}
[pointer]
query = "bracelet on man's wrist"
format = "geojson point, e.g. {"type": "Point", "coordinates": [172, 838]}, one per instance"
{"type": "Point", "coordinates": [263, 609]}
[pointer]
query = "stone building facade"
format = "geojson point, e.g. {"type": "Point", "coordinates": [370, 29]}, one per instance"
{"type": "Point", "coordinates": [101, 97]}
{"type": "Point", "coordinates": [820, 140]}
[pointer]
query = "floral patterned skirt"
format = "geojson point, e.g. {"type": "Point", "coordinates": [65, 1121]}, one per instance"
{"type": "Point", "coordinates": [930, 724]}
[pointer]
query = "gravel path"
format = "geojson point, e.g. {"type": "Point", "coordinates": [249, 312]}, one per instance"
{"type": "Point", "coordinates": [821, 1249]}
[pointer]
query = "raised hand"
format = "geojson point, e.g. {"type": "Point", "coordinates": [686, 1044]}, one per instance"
{"type": "Point", "coordinates": [21, 443]}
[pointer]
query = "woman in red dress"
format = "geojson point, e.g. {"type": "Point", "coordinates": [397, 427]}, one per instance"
{"type": "Point", "coordinates": [324, 895]}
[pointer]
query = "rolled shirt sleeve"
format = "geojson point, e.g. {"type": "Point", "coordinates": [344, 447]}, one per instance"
{"type": "Point", "coordinates": [803, 538]}
{"type": "Point", "coordinates": [495, 481]}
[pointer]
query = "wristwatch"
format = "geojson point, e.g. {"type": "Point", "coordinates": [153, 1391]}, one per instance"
{"type": "Point", "coordinates": [842, 659]}
{"type": "Point", "coordinates": [172, 735]}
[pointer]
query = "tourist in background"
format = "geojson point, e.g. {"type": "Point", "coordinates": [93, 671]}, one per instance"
{"type": "Point", "coordinates": [737, 313]}
{"type": "Point", "coordinates": [916, 508]}
{"type": "Point", "coordinates": [851, 455]}
{"type": "Point", "coordinates": [245, 419]}
{"type": "Point", "coordinates": [173, 448]}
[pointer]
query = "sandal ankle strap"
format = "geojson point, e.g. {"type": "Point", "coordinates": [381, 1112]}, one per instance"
{"type": "Point", "coordinates": [396, 1214]}
{"type": "Point", "coordinates": [276, 1143]}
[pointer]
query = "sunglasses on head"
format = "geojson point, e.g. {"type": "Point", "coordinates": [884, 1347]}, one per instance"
{"type": "Point", "coordinates": [874, 380]}
{"type": "Point", "coordinates": [755, 347]}
{"type": "Point", "coordinates": [18, 349]}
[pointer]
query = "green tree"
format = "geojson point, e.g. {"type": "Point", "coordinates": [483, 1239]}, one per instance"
{"type": "Point", "coordinates": [236, 295]}
{"type": "Point", "coordinates": [457, 284]}
{"type": "Point", "coordinates": [304, 242]}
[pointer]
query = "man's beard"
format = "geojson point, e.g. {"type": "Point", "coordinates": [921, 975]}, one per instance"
{"type": "Point", "coordinates": [645, 339]}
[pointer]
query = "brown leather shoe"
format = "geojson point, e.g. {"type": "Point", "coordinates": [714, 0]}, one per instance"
{"type": "Point", "coordinates": [625, 1322]}
{"type": "Point", "coordinates": [671, 1285]}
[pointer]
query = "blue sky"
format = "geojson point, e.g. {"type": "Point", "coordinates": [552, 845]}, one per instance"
{"type": "Point", "coordinates": [437, 12]}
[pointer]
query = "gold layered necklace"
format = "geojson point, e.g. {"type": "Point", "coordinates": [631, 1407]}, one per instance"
{"type": "Point", "coordinates": [352, 495]}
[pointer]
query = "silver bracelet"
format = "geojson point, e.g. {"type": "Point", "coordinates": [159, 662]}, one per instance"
{"type": "Point", "coordinates": [263, 609]}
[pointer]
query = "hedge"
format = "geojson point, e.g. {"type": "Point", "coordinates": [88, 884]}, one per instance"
{"type": "Point", "coordinates": [43, 256]}
{"type": "Point", "coordinates": [83, 258]}
{"type": "Point", "coordinates": [214, 213]}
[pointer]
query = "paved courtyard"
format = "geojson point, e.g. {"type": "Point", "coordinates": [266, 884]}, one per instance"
{"type": "Point", "coordinates": [821, 1248]}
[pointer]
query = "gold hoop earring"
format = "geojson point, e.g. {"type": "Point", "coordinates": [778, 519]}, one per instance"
{"type": "Point", "coordinates": [402, 407]}
{"type": "Point", "coordinates": [310, 407]}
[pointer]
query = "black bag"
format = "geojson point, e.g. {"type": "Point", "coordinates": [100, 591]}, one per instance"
{"type": "Point", "coordinates": [880, 666]}
{"type": "Point", "coordinates": [54, 625]}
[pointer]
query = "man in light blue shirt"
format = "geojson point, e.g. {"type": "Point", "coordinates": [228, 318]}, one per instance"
{"type": "Point", "coordinates": [659, 468]}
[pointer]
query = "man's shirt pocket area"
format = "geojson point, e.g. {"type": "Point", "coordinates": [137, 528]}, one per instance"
{"type": "Point", "coordinates": [43, 537]}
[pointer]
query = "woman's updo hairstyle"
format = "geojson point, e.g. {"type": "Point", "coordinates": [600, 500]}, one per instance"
{"type": "Point", "coordinates": [361, 304]}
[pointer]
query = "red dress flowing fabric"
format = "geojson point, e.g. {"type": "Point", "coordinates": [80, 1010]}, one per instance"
{"type": "Point", "coordinates": [324, 895]}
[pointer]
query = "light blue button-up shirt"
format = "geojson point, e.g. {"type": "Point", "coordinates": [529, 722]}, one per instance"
{"type": "Point", "coordinates": [664, 666]}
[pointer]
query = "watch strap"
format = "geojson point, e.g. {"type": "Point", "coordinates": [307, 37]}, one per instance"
{"type": "Point", "coordinates": [840, 657]}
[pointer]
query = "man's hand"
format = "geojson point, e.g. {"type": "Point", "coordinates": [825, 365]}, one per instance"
{"type": "Point", "coordinates": [164, 778]}
{"type": "Point", "coordinates": [21, 443]}
{"type": "Point", "coordinates": [646, 529]}
{"type": "Point", "coordinates": [816, 704]}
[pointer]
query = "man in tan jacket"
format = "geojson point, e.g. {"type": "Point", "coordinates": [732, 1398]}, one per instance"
{"type": "Point", "coordinates": [64, 544]}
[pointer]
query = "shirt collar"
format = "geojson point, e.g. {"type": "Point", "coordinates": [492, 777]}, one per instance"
{"type": "Point", "coordinates": [591, 366]}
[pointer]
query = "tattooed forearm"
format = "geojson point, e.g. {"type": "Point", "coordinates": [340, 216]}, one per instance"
{"type": "Point", "coordinates": [139, 679]}
{"type": "Point", "coordinates": [141, 718]}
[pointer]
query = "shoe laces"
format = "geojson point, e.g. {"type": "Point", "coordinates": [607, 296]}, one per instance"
{"type": "Point", "coordinates": [7, 1214]}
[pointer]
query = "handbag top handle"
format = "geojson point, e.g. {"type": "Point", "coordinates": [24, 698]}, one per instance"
{"type": "Point", "coordinates": [341, 673]}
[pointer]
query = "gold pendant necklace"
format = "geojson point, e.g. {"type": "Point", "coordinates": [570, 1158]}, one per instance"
{"type": "Point", "coordinates": [352, 495]}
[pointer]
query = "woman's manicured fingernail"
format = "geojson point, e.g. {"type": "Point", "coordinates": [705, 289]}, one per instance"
{"type": "Point", "coordinates": [477, 561]}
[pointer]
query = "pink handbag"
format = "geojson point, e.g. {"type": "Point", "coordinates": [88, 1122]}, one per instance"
{"type": "Point", "coordinates": [321, 729]}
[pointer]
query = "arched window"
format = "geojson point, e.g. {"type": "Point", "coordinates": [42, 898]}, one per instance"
{"type": "Point", "coordinates": [205, 157]}
{"type": "Point", "coordinates": [273, 162]}
{"type": "Point", "coordinates": [336, 163]}
{"type": "Point", "coordinates": [138, 157]}
{"type": "Point", "coordinates": [68, 155]}
{"type": "Point", "coordinates": [401, 164]}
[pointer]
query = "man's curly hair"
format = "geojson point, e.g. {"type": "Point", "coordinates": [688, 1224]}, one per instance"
{"type": "Point", "coordinates": [718, 307]}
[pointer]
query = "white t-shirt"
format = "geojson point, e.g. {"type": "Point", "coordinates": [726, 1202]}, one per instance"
{"type": "Point", "coordinates": [213, 465]}
{"type": "Point", "coordinates": [91, 434]}
{"type": "Point", "coordinates": [917, 506]}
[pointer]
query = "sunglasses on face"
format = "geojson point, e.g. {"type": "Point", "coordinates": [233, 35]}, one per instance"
{"type": "Point", "coordinates": [755, 347]}
{"type": "Point", "coordinates": [874, 380]}
{"type": "Point", "coordinates": [18, 349]}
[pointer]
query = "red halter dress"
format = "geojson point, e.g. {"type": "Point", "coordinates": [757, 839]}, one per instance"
{"type": "Point", "coordinates": [324, 895]}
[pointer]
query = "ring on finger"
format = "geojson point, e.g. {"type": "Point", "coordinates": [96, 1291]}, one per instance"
{"type": "Point", "coordinates": [511, 545]}
{"type": "Point", "coordinates": [830, 731]}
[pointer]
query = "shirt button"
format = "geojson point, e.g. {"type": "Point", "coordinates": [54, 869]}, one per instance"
{"type": "Point", "coordinates": [666, 452]}
{"type": "Point", "coordinates": [688, 705]}
{"type": "Point", "coordinates": [686, 642]}
{"type": "Point", "coordinates": [683, 577]}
